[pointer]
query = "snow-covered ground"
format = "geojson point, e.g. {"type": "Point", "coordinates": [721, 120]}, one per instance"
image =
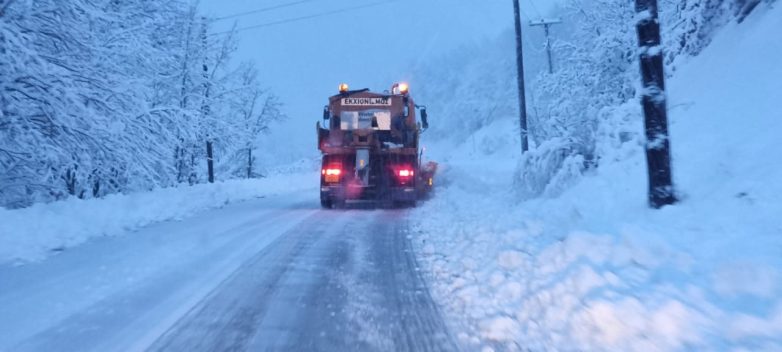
{"type": "Point", "coordinates": [271, 274]}
{"type": "Point", "coordinates": [122, 293]}
{"type": "Point", "coordinates": [594, 268]}
{"type": "Point", "coordinates": [33, 233]}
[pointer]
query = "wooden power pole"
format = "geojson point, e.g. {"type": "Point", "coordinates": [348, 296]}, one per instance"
{"type": "Point", "coordinates": [658, 155]}
{"type": "Point", "coordinates": [546, 25]}
{"type": "Point", "coordinates": [205, 109]}
{"type": "Point", "coordinates": [520, 79]}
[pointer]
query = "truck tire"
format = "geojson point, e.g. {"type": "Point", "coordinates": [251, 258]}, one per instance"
{"type": "Point", "coordinates": [405, 204]}
{"type": "Point", "coordinates": [325, 203]}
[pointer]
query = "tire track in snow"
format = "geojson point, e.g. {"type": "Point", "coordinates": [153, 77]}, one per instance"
{"type": "Point", "coordinates": [339, 281]}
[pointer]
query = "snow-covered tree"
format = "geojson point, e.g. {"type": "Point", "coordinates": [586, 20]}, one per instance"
{"type": "Point", "coordinates": [256, 109]}
{"type": "Point", "coordinates": [105, 96]}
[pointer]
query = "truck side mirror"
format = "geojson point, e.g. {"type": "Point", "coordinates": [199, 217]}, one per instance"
{"type": "Point", "coordinates": [424, 118]}
{"type": "Point", "coordinates": [326, 113]}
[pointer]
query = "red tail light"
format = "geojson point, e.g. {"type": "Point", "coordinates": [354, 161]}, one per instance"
{"type": "Point", "coordinates": [331, 173]}
{"type": "Point", "coordinates": [406, 173]}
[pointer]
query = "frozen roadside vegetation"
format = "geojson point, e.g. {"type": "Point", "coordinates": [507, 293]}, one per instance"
{"type": "Point", "coordinates": [588, 266]}
{"type": "Point", "coordinates": [33, 233]}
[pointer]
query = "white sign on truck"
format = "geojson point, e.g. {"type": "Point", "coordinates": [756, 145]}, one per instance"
{"type": "Point", "coordinates": [366, 101]}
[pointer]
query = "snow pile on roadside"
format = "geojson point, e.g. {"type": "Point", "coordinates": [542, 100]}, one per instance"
{"type": "Point", "coordinates": [594, 268]}
{"type": "Point", "coordinates": [32, 233]}
{"type": "Point", "coordinates": [303, 165]}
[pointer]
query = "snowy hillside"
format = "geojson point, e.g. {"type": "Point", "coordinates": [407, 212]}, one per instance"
{"type": "Point", "coordinates": [592, 267]}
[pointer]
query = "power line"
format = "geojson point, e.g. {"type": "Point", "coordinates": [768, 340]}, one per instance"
{"type": "Point", "coordinates": [524, 14]}
{"type": "Point", "coordinates": [302, 18]}
{"type": "Point", "coordinates": [265, 9]}
{"type": "Point", "coordinates": [531, 2]}
{"type": "Point", "coordinates": [526, 36]}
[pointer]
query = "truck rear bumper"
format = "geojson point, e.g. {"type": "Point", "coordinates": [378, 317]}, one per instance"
{"type": "Point", "coordinates": [405, 194]}
{"type": "Point", "coordinates": [341, 193]}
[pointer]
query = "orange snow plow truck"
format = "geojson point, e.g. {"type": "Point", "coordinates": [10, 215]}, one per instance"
{"type": "Point", "coordinates": [370, 147]}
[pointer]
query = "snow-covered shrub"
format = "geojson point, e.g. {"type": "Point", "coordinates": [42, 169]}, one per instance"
{"type": "Point", "coordinates": [548, 169]}
{"type": "Point", "coordinates": [620, 133]}
{"type": "Point", "coordinates": [595, 70]}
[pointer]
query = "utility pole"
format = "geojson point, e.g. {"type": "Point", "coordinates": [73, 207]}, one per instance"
{"type": "Point", "coordinates": [520, 79]}
{"type": "Point", "coordinates": [546, 25]}
{"type": "Point", "coordinates": [658, 156]}
{"type": "Point", "coordinates": [205, 109]}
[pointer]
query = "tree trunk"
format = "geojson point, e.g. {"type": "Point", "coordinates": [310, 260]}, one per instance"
{"type": "Point", "coordinates": [193, 176]}
{"type": "Point", "coordinates": [249, 162]}
{"type": "Point", "coordinates": [70, 181]}
{"type": "Point", "coordinates": [210, 162]}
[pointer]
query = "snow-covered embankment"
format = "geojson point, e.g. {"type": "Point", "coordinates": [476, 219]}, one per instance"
{"type": "Point", "coordinates": [33, 233]}
{"type": "Point", "coordinates": [594, 268]}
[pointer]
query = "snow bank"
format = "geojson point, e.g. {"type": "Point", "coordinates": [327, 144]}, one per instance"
{"type": "Point", "coordinates": [592, 267]}
{"type": "Point", "coordinates": [31, 234]}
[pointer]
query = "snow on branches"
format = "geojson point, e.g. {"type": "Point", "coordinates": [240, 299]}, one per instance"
{"type": "Point", "coordinates": [103, 96]}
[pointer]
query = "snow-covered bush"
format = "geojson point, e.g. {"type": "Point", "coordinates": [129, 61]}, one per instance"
{"type": "Point", "coordinates": [595, 70]}
{"type": "Point", "coordinates": [620, 134]}
{"type": "Point", "coordinates": [548, 169]}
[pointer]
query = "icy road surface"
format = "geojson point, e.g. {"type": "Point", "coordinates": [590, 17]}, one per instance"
{"type": "Point", "coordinates": [264, 275]}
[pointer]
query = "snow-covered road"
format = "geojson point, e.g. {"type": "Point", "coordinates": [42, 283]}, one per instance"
{"type": "Point", "coordinates": [269, 274]}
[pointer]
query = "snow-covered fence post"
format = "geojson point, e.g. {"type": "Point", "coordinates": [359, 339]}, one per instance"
{"type": "Point", "coordinates": [658, 156]}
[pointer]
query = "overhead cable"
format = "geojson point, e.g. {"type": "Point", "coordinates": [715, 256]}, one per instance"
{"type": "Point", "coordinates": [302, 18]}
{"type": "Point", "coordinates": [265, 9]}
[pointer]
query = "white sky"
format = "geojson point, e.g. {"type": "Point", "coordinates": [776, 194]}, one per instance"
{"type": "Point", "coordinates": [304, 61]}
